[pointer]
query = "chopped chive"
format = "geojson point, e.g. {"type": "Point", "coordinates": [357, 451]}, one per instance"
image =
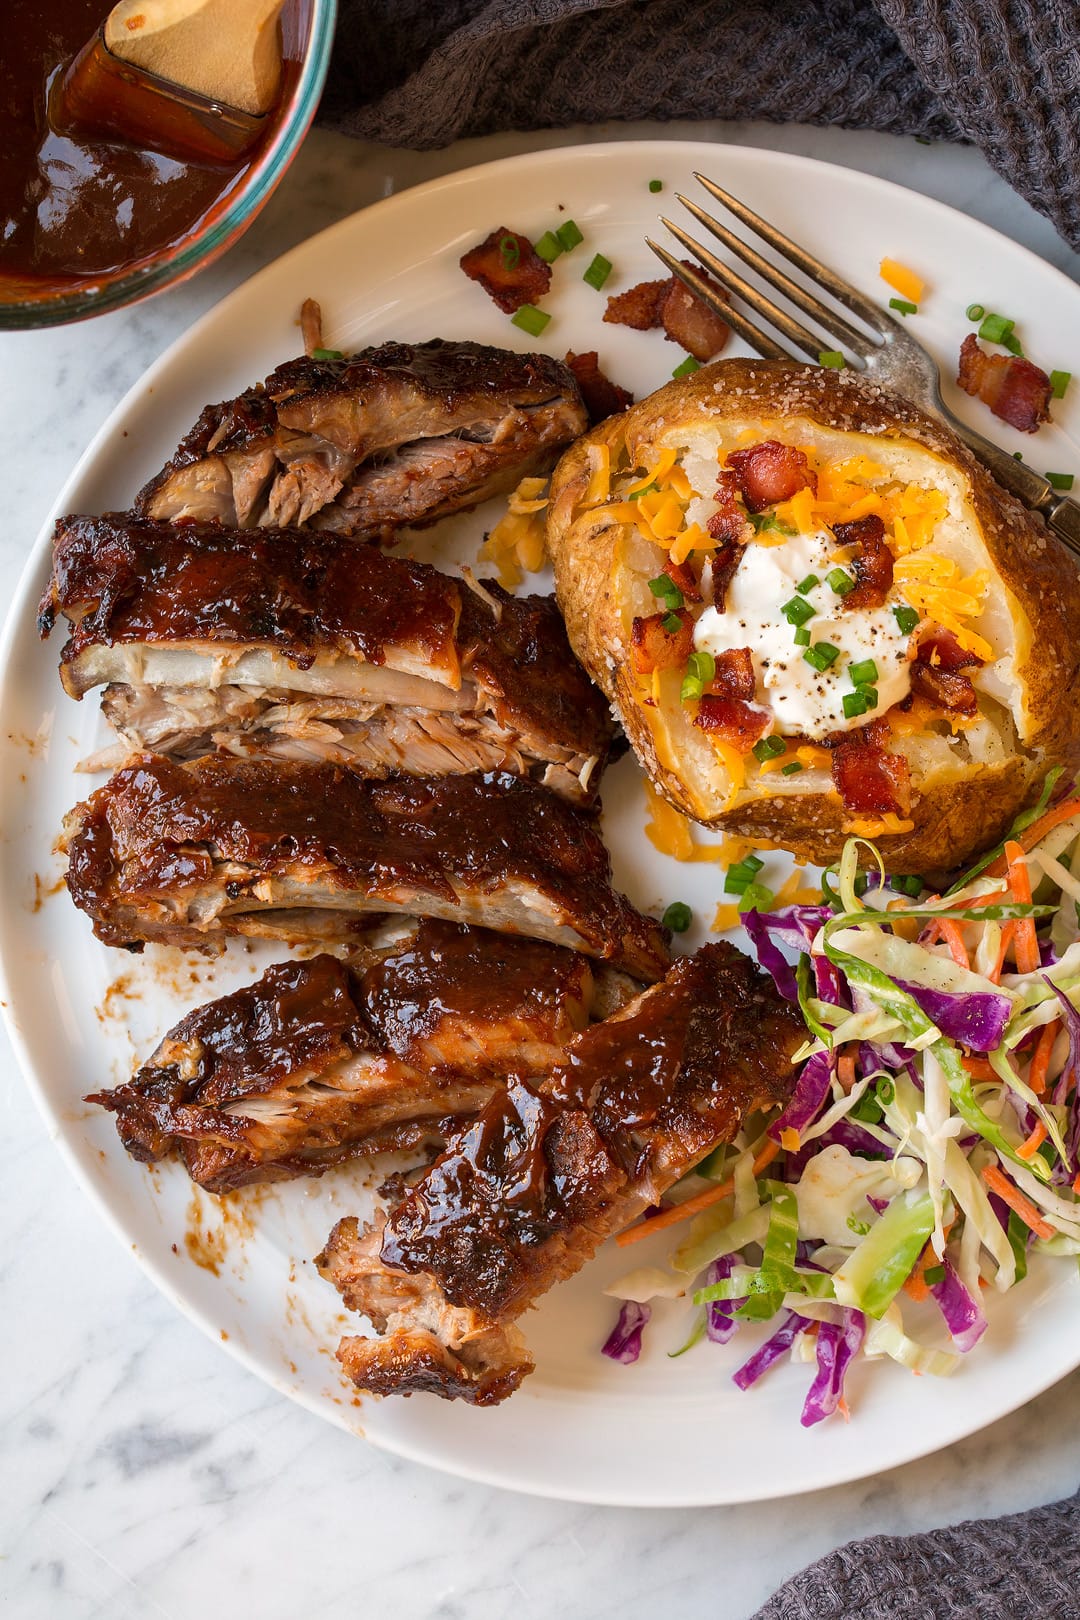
{"type": "Point", "coordinates": [821, 655]}
{"type": "Point", "coordinates": [798, 610]}
{"type": "Point", "coordinates": [807, 584]}
{"type": "Point", "coordinates": [677, 917]}
{"type": "Point", "coordinates": [791, 769]}
{"type": "Point", "coordinates": [1059, 381]}
{"type": "Point", "coordinates": [598, 272]}
{"type": "Point", "coordinates": [569, 236]}
{"type": "Point", "coordinates": [864, 673]}
{"type": "Point", "coordinates": [1060, 480]}
{"type": "Point", "coordinates": [1011, 342]}
{"type": "Point", "coordinates": [666, 589]}
{"type": "Point", "coordinates": [975, 312]}
{"type": "Point", "coordinates": [768, 748]}
{"type": "Point", "coordinates": [548, 247]}
{"type": "Point", "coordinates": [687, 367]}
{"type": "Point", "coordinates": [840, 580]}
{"type": "Point", "coordinates": [756, 897]}
{"type": "Point", "coordinates": [802, 636]}
{"type": "Point", "coordinates": [327, 354]}
{"type": "Point", "coordinates": [832, 359]}
{"type": "Point", "coordinates": [656, 185]}
{"type": "Point", "coordinates": [906, 618]}
{"type": "Point", "coordinates": [671, 623]}
{"type": "Point", "coordinates": [530, 319]}
{"type": "Point", "coordinates": [510, 251]}
{"type": "Point", "coordinates": [903, 306]}
{"type": "Point", "coordinates": [854, 704]}
{"type": "Point", "coordinates": [934, 1275]}
{"type": "Point", "coordinates": [995, 328]}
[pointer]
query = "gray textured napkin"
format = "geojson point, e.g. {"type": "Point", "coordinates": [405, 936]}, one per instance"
{"type": "Point", "coordinates": [1024, 1567]}
{"type": "Point", "coordinates": [1004, 74]}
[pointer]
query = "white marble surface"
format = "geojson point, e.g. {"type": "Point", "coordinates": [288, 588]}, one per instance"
{"type": "Point", "coordinates": [142, 1473]}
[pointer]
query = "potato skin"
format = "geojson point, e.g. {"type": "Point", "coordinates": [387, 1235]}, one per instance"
{"type": "Point", "coordinates": [953, 818]}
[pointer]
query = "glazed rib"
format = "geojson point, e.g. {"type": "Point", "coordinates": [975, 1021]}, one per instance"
{"type": "Point", "coordinates": [284, 644]}
{"type": "Point", "coordinates": [393, 437]}
{"type": "Point", "coordinates": [187, 854]}
{"type": "Point", "coordinates": [524, 1196]}
{"type": "Point", "coordinates": [316, 1062]}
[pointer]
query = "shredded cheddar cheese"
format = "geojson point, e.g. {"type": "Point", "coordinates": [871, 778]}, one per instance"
{"type": "Point", "coordinates": [902, 280]}
{"type": "Point", "coordinates": [599, 474]}
{"type": "Point", "coordinates": [790, 1139]}
{"type": "Point", "coordinates": [874, 827]}
{"type": "Point", "coordinates": [727, 916]}
{"type": "Point", "coordinates": [518, 542]}
{"type": "Point", "coordinates": [667, 828]}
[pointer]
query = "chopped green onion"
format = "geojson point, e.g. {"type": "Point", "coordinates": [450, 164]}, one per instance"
{"type": "Point", "coordinates": [840, 580]}
{"type": "Point", "coordinates": [762, 521]}
{"type": "Point", "coordinates": [742, 873]}
{"type": "Point", "coordinates": [832, 359]}
{"type": "Point", "coordinates": [1018, 455]}
{"type": "Point", "coordinates": [598, 272]}
{"type": "Point", "coordinates": [510, 252]}
{"type": "Point", "coordinates": [768, 748]}
{"type": "Point", "coordinates": [672, 624]}
{"type": "Point", "coordinates": [802, 636]}
{"type": "Point", "coordinates": [327, 354]}
{"type": "Point", "coordinates": [867, 1109]}
{"type": "Point", "coordinates": [548, 247]}
{"type": "Point", "coordinates": [807, 584]}
{"type": "Point", "coordinates": [702, 666]}
{"type": "Point", "coordinates": [1011, 342]}
{"type": "Point", "coordinates": [792, 769]}
{"type": "Point", "coordinates": [904, 306]}
{"type": "Point", "coordinates": [687, 367]}
{"type": "Point", "coordinates": [906, 618]}
{"type": "Point", "coordinates": [1059, 480]}
{"type": "Point", "coordinates": [677, 917]}
{"type": "Point", "coordinates": [798, 610]}
{"type": "Point", "coordinates": [648, 490]}
{"type": "Point", "coordinates": [756, 897]}
{"type": "Point", "coordinates": [569, 236]}
{"type": "Point", "coordinates": [530, 319]}
{"type": "Point", "coordinates": [934, 1275]}
{"type": "Point", "coordinates": [1018, 1236]}
{"type": "Point", "coordinates": [855, 703]}
{"type": "Point", "coordinates": [1059, 381]}
{"type": "Point", "coordinates": [656, 185]}
{"type": "Point", "coordinates": [860, 1228]}
{"type": "Point", "coordinates": [907, 884]}
{"type": "Point", "coordinates": [885, 1091]}
{"type": "Point", "coordinates": [821, 655]}
{"type": "Point", "coordinates": [995, 328]}
{"type": "Point", "coordinates": [864, 673]}
{"type": "Point", "coordinates": [975, 312]}
{"type": "Point", "coordinates": [665, 587]}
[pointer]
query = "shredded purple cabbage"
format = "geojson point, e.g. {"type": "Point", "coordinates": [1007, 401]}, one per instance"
{"type": "Point", "coordinates": [771, 1351]}
{"type": "Point", "coordinates": [837, 1345]}
{"type": "Point", "coordinates": [769, 956]}
{"type": "Point", "coordinates": [720, 1323]}
{"type": "Point", "coordinates": [623, 1343]}
{"type": "Point", "coordinates": [976, 1019]}
{"type": "Point", "coordinates": [1070, 1076]}
{"type": "Point", "coordinates": [962, 1311]}
{"type": "Point", "coordinates": [811, 1090]}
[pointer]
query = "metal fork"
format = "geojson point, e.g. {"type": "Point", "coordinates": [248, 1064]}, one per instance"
{"type": "Point", "coordinates": [892, 357]}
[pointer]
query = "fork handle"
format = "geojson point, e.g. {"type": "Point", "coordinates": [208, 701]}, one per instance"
{"type": "Point", "coordinates": [1062, 515]}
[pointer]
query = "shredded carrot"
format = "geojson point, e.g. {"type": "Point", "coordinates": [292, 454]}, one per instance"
{"type": "Point", "coordinates": [916, 1285]}
{"type": "Point", "coordinates": [1015, 1199]}
{"type": "Point", "coordinates": [1025, 943]}
{"type": "Point", "coordinates": [1004, 943]}
{"type": "Point", "coordinates": [954, 939]}
{"type": "Point", "coordinates": [1040, 1063]}
{"type": "Point", "coordinates": [1076, 1186]}
{"type": "Point", "coordinates": [845, 1071]}
{"type": "Point", "coordinates": [978, 1068]}
{"type": "Point", "coordinates": [1038, 830]}
{"type": "Point", "coordinates": [693, 1206]}
{"type": "Point", "coordinates": [1034, 1142]}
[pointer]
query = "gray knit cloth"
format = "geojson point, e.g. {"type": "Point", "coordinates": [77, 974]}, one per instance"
{"type": "Point", "coordinates": [1004, 74]}
{"type": "Point", "coordinates": [1024, 1567]}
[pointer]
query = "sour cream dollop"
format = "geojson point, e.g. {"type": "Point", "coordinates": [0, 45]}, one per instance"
{"type": "Point", "coordinates": [802, 700]}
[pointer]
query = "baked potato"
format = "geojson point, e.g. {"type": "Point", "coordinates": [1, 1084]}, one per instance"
{"type": "Point", "coordinates": [816, 614]}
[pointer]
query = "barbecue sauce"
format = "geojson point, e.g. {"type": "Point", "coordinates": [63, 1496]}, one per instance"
{"type": "Point", "coordinates": [74, 211]}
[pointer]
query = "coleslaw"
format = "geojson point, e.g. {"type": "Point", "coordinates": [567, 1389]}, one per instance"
{"type": "Point", "coordinates": [931, 1144]}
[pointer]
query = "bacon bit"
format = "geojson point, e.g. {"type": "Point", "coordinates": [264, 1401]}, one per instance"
{"type": "Point", "coordinates": [732, 721]}
{"type": "Point", "coordinates": [690, 323]}
{"type": "Point", "coordinates": [941, 650]}
{"type": "Point", "coordinates": [1015, 389]}
{"type": "Point", "coordinates": [653, 648]}
{"type": "Point", "coordinates": [311, 325]}
{"type": "Point", "coordinates": [722, 565]}
{"type": "Point", "coordinates": [682, 576]}
{"type": "Point", "coordinates": [873, 564]}
{"type": "Point", "coordinates": [946, 688]}
{"type": "Point", "coordinates": [510, 282]}
{"type": "Point", "coordinates": [684, 318]}
{"type": "Point", "coordinates": [729, 522]}
{"type": "Point", "coordinates": [871, 781]}
{"type": "Point", "coordinates": [602, 397]}
{"type": "Point", "coordinates": [734, 676]}
{"type": "Point", "coordinates": [770, 472]}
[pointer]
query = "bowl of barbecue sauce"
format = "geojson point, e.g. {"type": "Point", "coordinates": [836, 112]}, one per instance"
{"type": "Point", "coordinates": [88, 224]}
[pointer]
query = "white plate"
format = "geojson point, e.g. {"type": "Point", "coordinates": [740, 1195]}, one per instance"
{"type": "Point", "coordinates": [660, 1432]}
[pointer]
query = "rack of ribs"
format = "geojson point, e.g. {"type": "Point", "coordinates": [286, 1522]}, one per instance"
{"type": "Point", "coordinates": [318, 1061]}
{"type": "Point", "coordinates": [525, 1194]}
{"type": "Point", "coordinates": [392, 437]}
{"type": "Point", "coordinates": [286, 644]}
{"type": "Point", "coordinates": [186, 854]}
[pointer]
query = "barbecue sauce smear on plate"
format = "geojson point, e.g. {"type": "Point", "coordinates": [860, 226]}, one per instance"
{"type": "Point", "coordinates": [75, 210]}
